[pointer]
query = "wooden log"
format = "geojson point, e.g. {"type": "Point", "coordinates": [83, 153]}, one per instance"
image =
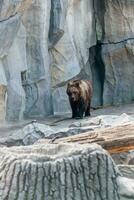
{"type": "Point", "coordinates": [115, 139]}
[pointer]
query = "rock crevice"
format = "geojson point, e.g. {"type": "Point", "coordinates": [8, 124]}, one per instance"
{"type": "Point", "coordinates": [122, 41]}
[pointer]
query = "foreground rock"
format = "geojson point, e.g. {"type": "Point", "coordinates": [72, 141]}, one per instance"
{"type": "Point", "coordinates": [103, 121]}
{"type": "Point", "coordinates": [117, 139]}
{"type": "Point", "coordinates": [65, 171]}
{"type": "Point", "coordinates": [127, 170]}
{"type": "Point", "coordinates": [35, 131]}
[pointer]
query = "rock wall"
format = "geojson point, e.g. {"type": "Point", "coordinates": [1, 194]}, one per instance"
{"type": "Point", "coordinates": [43, 44]}
{"type": "Point", "coordinates": [117, 50]}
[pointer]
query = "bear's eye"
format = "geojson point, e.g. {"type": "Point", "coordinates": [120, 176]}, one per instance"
{"type": "Point", "coordinates": [69, 93]}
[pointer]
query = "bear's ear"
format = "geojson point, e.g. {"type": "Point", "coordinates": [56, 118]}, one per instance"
{"type": "Point", "coordinates": [67, 91]}
{"type": "Point", "coordinates": [77, 83]}
{"type": "Point", "coordinates": [68, 86]}
{"type": "Point", "coordinates": [69, 83]}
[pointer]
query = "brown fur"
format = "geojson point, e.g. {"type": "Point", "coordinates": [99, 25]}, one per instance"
{"type": "Point", "coordinates": [80, 93]}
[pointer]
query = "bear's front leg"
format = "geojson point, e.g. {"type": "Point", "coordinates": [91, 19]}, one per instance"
{"type": "Point", "coordinates": [81, 108]}
{"type": "Point", "coordinates": [87, 113]}
{"type": "Point", "coordinates": [74, 108]}
{"type": "Point", "coordinates": [74, 113]}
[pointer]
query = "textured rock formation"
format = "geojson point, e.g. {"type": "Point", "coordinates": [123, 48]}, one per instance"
{"type": "Point", "coordinates": [63, 171]}
{"type": "Point", "coordinates": [46, 43]}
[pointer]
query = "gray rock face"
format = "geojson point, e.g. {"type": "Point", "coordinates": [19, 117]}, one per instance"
{"type": "Point", "coordinates": [25, 59]}
{"type": "Point", "coordinates": [117, 50]}
{"type": "Point", "coordinates": [43, 44]}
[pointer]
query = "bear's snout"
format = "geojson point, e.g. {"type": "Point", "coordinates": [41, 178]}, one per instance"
{"type": "Point", "coordinates": [72, 97]}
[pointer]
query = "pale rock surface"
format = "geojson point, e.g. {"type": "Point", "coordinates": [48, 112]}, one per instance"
{"type": "Point", "coordinates": [103, 121]}
{"type": "Point", "coordinates": [127, 170]}
{"type": "Point", "coordinates": [64, 171]}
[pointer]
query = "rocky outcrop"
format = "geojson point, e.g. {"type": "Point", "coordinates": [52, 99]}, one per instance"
{"type": "Point", "coordinates": [64, 171]}
{"type": "Point", "coordinates": [46, 43]}
{"type": "Point", "coordinates": [39, 172]}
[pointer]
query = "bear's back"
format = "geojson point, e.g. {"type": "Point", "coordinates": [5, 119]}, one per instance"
{"type": "Point", "coordinates": [86, 88]}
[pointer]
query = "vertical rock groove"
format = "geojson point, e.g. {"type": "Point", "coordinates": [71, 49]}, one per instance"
{"type": "Point", "coordinates": [98, 74]}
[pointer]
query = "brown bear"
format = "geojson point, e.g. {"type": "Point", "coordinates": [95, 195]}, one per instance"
{"type": "Point", "coordinates": [80, 93]}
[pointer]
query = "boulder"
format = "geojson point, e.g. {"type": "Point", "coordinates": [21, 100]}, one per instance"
{"type": "Point", "coordinates": [64, 171]}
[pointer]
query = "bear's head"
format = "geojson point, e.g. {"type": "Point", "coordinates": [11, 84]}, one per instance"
{"type": "Point", "coordinates": [73, 90]}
